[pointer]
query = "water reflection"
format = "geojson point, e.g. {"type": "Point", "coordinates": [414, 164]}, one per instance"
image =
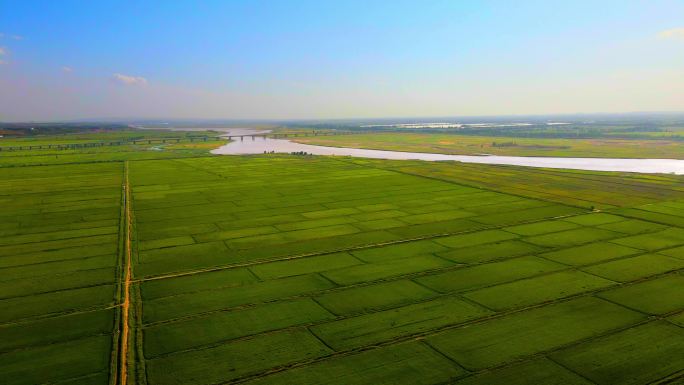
{"type": "Point", "coordinates": [259, 145]}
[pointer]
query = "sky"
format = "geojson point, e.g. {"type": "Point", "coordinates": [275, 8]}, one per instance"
{"type": "Point", "coordinates": [62, 60]}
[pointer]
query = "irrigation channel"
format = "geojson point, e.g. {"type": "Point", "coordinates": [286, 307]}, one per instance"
{"type": "Point", "coordinates": [262, 144]}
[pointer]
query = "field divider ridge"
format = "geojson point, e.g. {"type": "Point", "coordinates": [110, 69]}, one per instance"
{"type": "Point", "coordinates": [354, 248]}
{"type": "Point", "coordinates": [459, 295]}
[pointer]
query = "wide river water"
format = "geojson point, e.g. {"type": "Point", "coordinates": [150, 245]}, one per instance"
{"type": "Point", "coordinates": [259, 145]}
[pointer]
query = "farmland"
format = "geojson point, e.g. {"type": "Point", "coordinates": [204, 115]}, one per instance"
{"type": "Point", "coordinates": [453, 143]}
{"type": "Point", "coordinates": [128, 145]}
{"type": "Point", "coordinates": [176, 267]}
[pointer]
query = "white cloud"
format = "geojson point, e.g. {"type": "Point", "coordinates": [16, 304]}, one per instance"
{"type": "Point", "coordinates": [13, 37]}
{"type": "Point", "coordinates": [129, 80]}
{"type": "Point", "coordinates": [3, 52]}
{"type": "Point", "coordinates": [673, 33]}
{"type": "Point", "coordinates": [67, 69]}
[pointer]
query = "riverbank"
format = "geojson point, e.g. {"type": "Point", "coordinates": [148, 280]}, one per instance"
{"type": "Point", "coordinates": [263, 145]}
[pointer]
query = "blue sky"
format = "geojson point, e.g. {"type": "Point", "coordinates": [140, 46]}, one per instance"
{"type": "Point", "coordinates": [345, 59]}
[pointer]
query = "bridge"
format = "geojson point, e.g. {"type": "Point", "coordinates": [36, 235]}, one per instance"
{"type": "Point", "coordinates": [290, 135]}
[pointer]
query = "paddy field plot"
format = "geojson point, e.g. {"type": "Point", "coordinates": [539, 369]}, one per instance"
{"type": "Point", "coordinates": [380, 276]}
{"type": "Point", "coordinates": [315, 270]}
{"type": "Point", "coordinates": [59, 272]}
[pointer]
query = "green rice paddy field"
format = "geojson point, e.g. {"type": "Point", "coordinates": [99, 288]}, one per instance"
{"type": "Point", "coordinates": [313, 270]}
{"type": "Point", "coordinates": [648, 145]}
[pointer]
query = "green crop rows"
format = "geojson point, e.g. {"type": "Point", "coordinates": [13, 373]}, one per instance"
{"type": "Point", "coordinates": [314, 270]}
{"type": "Point", "coordinates": [59, 275]}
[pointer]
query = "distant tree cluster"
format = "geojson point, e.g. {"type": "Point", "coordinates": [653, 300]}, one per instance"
{"type": "Point", "coordinates": [30, 129]}
{"type": "Point", "coordinates": [300, 153]}
{"type": "Point", "coordinates": [504, 144]}
{"type": "Point", "coordinates": [577, 127]}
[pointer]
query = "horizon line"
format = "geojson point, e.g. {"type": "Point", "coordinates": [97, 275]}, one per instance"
{"type": "Point", "coordinates": [284, 120]}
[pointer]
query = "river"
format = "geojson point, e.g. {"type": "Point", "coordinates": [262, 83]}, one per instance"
{"type": "Point", "coordinates": [259, 145]}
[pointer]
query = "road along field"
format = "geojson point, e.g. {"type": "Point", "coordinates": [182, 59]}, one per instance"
{"type": "Point", "coordinates": [315, 270]}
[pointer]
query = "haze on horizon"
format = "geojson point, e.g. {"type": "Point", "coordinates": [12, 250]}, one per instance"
{"type": "Point", "coordinates": [325, 60]}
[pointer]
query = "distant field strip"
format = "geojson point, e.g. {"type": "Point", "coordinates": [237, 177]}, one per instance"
{"type": "Point", "coordinates": [93, 148]}
{"type": "Point", "coordinates": [283, 270]}
{"type": "Point", "coordinates": [514, 145]}
{"type": "Point", "coordinates": [603, 190]}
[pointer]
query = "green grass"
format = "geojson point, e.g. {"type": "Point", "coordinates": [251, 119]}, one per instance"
{"type": "Point", "coordinates": [39, 269]}
{"type": "Point", "coordinates": [227, 297]}
{"type": "Point", "coordinates": [488, 274]}
{"type": "Point", "coordinates": [382, 263]}
{"type": "Point", "coordinates": [478, 238]}
{"type": "Point", "coordinates": [118, 153]}
{"type": "Point", "coordinates": [314, 264]}
{"type": "Point", "coordinates": [189, 283]}
{"type": "Point", "coordinates": [677, 319]}
{"type": "Point", "coordinates": [398, 251]}
{"type": "Point", "coordinates": [59, 239]}
{"type": "Point", "coordinates": [11, 250]}
{"type": "Point", "coordinates": [572, 237]}
{"type": "Point", "coordinates": [18, 308]}
{"type": "Point", "coordinates": [591, 253]}
{"type": "Point", "coordinates": [491, 251]}
{"type": "Point", "coordinates": [658, 296]}
{"type": "Point", "coordinates": [587, 189]}
{"type": "Point", "coordinates": [57, 362]}
{"type": "Point", "coordinates": [540, 228]}
{"type": "Point", "coordinates": [281, 269]}
{"type": "Point", "coordinates": [403, 321]}
{"type": "Point", "coordinates": [55, 330]}
{"type": "Point", "coordinates": [221, 327]}
{"type": "Point", "coordinates": [265, 351]}
{"type": "Point", "coordinates": [53, 282]}
{"type": "Point", "coordinates": [633, 268]}
{"type": "Point", "coordinates": [373, 297]}
{"type": "Point", "coordinates": [474, 145]}
{"type": "Point", "coordinates": [541, 371]}
{"type": "Point", "coordinates": [635, 356]}
{"type": "Point", "coordinates": [411, 364]}
{"type": "Point", "coordinates": [653, 241]}
{"type": "Point", "coordinates": [527, 333]}
{"type": "Point", "coordinates": [595, 219]}
{"type": "Point", "coordinates": [677, 252]}
{"type": "Point", "coordinates": [535, 290]}
{"type": "Point", "coordinates": [381, 270]}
